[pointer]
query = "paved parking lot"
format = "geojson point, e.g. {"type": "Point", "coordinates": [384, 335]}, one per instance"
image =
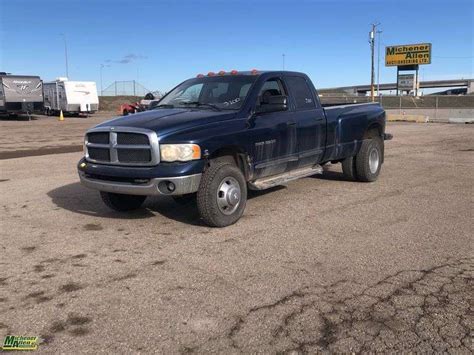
{"type": "Point", "coordinates": [320, 264]}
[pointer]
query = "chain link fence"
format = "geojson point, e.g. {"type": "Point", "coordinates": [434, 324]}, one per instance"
{"type": "Point", "coordinates": [125, 88]}
{"type": "Point", "coordinates": [404, 102]}
{"type": "Point", "coordinates": [437, 108]}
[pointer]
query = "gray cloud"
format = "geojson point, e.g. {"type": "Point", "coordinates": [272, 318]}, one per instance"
{"type": "Point", "coordinates": [129, 58]}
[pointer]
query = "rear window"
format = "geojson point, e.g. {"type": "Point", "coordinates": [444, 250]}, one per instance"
{"type": "Point", "coordinates": [302, 93]}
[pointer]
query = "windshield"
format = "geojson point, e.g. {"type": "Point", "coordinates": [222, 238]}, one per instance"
{"type": "Point", "coordinates": [217, 93]}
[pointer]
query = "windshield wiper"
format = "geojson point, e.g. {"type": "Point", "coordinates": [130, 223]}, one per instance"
{"type": "Point", "coordinates": [164, 106]}
{"type": "Point", "coordinates": [197, 103]}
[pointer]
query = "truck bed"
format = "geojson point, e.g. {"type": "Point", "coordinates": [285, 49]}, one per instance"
{"type": "Point", "coordinates": [346, 125]}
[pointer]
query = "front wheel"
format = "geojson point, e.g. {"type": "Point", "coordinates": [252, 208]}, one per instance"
{"type": "Point", "coordinates": [369, 160]}
{"type": "Point", "coordinates": [120, 202]}
{"type": "Point", "coordinates": [222, 194]}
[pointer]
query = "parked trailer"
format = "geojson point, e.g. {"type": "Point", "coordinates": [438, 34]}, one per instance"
{"type": "Point", "coordinates": [20, 94]}
{"type": "Point", "coordinates": [72, 97]}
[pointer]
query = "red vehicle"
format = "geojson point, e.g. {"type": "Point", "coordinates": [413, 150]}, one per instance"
{"type": "Point", "coordinates": [142, 105]}
{"type": "Point", "coordinates": [126, 109]}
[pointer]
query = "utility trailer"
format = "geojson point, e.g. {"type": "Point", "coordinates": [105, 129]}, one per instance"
{"type": "Point", "coordinates": [71, 97]}
{"type": "Point", "coordinates": [20, 94]}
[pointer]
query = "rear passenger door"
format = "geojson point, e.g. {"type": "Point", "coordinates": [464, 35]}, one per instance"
{"type": "Point", "coordinates": [310, 121]}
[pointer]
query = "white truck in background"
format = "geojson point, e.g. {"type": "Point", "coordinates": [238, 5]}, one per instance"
{"type": "Point", "coordinates": [71, 97]}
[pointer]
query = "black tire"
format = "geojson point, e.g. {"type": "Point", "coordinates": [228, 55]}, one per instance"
{"type": "Point", "coordinates": [366, 171]}
{"type": "Point", "coordinates": [349, 168]}
{"type": "Point", "coordinates": [184, 200]}
{"type": "Point", "coordinates": [121, 203]}
{"type": "Point", "coordinates": [220, 172]}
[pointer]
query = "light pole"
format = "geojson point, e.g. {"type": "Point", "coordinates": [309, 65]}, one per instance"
{"type": "Point", "coordinates": [65, 54]}
{"type": "Point", "coordinates": [378, 63]}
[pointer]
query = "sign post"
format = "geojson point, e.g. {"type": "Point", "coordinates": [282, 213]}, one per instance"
{"type": "Point", "coordinates": [406, 82]}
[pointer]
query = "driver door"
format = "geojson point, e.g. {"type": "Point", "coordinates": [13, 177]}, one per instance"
{"type": "Point", "coordinates": [274, 133]}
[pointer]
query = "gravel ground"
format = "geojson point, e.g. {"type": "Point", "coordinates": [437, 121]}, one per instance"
{"type": "Point", "coordinates": [321, 264]}
{"type": "Point", "coordinates": [45, 135]}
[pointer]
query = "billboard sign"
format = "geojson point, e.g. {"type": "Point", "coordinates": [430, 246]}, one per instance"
{"type": "Point", "coordinates": [406, 82]}
{"type": "Point", "coordinates": [409, 54]}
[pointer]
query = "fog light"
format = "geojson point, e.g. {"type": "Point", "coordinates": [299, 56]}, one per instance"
{"type": "Point", "coordinates": [171, 186]}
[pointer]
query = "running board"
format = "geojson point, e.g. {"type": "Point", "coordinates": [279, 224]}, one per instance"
{"type": "Point", "coordinates": [275, 180]}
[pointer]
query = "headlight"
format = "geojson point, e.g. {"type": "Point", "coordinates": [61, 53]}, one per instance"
{"type": "Point", "coordinates": [180, 152]}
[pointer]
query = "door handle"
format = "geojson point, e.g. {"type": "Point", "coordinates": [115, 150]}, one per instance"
{"type": "Point", "coordinates": [290, 124]}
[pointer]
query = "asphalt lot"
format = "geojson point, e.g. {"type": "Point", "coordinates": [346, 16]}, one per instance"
{"type": "Point", "coordinates": [321, 264]}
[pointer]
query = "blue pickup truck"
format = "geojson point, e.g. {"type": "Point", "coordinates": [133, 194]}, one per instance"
{"type": "Point", "coordinates": [213, 137]}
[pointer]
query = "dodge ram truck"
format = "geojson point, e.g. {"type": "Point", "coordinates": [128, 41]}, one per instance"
{"type": "Point", "coordinates": [213, 137]}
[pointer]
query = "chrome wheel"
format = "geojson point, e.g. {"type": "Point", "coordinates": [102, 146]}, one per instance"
{"type": "Point", "coordinates": [228, 195]}
{"type": "Point", "coordinates": [374, 160]}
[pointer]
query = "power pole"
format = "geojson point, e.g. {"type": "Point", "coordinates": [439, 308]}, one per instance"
{"type": "Point", "coordinates": [372, 68]}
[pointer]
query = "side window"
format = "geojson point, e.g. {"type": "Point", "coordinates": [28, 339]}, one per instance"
{"type": "Point", "coordinates": [272, 87]}
{"type": "Point", "coordinates": [302, 93]}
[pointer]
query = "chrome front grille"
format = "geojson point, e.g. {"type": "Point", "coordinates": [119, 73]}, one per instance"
{"type": "Point", "coordinates": [122, 146]}
{"type": "Point", "coordinates": [134, 155]}
{"type": "Point", "coordinates": [99, 154]}
{"type": "Point", "coordinates": [132, 138]}
{"type": "Point", "coordinates": [98, 137]}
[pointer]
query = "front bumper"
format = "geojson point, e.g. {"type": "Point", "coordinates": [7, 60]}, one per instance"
{"type": "Point", "coordinates": [153, 180]}
{"type": "Point", "coordinates": [157, 186]}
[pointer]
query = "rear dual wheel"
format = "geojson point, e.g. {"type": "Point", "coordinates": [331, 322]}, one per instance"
{"type": "Point", "coordinates": [366, 164]}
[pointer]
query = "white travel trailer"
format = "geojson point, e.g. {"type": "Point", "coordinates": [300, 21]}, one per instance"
{"type": "Point", "coordinates": [70, 97]}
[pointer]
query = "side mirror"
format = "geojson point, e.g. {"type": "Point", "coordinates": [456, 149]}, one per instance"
{"type": "Point", "coordinates": [273, 104]}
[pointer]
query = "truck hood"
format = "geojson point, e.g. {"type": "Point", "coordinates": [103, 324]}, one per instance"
{"type": "Point", "coordinates": [164, 121]}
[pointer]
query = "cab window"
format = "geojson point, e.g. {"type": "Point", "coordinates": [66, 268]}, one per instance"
{"type": "Point", "coordinates": [303, 95]}
{"type": "Point", "coordinates": [272, 87]}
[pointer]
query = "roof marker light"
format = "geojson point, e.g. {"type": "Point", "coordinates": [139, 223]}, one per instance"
{"type": "Point", "coordinates": [234, 72]}
{"type": "Point", "coordinates": [254, 72]}
{"type": "Point", "coordinates": [200, 76]}
{"type": "Point", "coordinates": [211, 73]}
{"type": "Point", "coordinates": [222, 72]}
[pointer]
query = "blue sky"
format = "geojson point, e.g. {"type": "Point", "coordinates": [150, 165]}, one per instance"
{"type": "Point", "coordinates": [160, 43]}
